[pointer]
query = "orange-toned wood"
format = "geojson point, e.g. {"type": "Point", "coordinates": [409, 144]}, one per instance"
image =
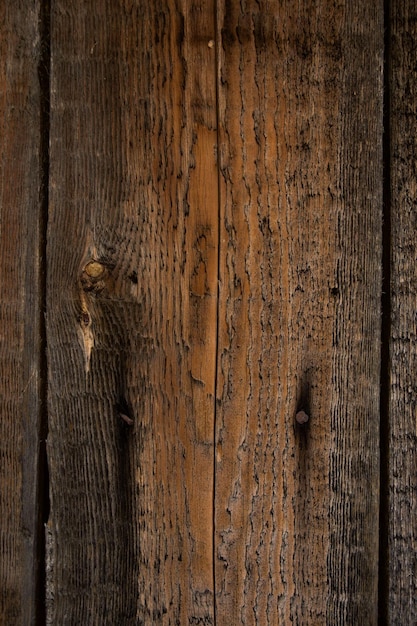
{"type": "Point", "coordinates": [300, 145]}
{"type": "Point", "coordinates": [132, 300]}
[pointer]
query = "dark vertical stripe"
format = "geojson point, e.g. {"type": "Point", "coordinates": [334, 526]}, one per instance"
{"type": "Point", "coordinates": [43, 478]}
{"type": "Point", "coordinates": [385, 337]}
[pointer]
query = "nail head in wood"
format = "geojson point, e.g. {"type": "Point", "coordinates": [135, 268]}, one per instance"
{"type": "Point", "coordinates": [128, 420]}
{"type": "Point", "coordinates": [301, 417]}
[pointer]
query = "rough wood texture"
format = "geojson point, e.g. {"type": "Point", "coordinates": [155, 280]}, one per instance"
{"type": "Point", "coordinates": [402, 537]}
{"type": "Point", "coordinates": [300, 125]}
{"type": "Point", "coordinates": [132, 300]}
{"type": "Point", "coordinates": [20, 310]}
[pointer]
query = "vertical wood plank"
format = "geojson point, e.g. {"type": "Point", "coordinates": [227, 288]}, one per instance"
{"type": "Point", "coordinates": [402, 478]}
{"type": "Point", "coordinates": [300, 110]}
{"type": "Point", "coordinates": [132, 300]}
{"type": "Point", "coordinates": [20, 312]}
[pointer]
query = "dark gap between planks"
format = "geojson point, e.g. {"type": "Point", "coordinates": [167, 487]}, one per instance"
{"type": "Point", "coordinates": [43, 476]}
{"type": "Point", "coordinates": [383, 583]}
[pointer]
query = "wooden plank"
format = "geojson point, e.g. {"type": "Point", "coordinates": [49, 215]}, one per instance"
{"type": "Point", "coordinates": [402, 478]}
{"type": "Point", "coordinates": [20, 313]}
{"type": "Point", "coordinates": [300, 93]}
{"type": "Point", "coordinates": [132, 300]}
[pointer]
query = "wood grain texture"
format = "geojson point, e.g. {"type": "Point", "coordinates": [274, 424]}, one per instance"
{"type": "Point", "coordinates": [20, 311]}
{"type": "Point", "coordinates": [132, 300]}
{"type": "Point", "coordinates": [300, 127]}
{"type": "Point", "coordinates": [402, 537]}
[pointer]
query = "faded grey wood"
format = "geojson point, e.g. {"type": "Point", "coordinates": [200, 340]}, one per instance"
{"type": "Point", "coordinates": [20, 313]}
{"type": "Point", "coordinates": [402, 521]}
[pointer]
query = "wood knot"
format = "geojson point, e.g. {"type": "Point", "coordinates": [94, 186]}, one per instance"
{"type": "Point", "coordinates": [94, 276]}
{"type": "Point", "coordinates": [95, 270]}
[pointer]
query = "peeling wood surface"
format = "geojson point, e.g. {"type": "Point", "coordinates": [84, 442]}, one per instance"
{"type": "Point", "coordinates": [20, 310]}
{"type": "Point", "coordinates": [300, 117]}
{"type": "Point", "coordinates": [402, 527]}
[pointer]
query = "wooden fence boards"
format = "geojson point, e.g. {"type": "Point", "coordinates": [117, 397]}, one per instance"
{"type": "Point", "coordinates": [300, 139]}
{"type": "Point", "coordinates": [132, 301]}
{"type": "Point", "coordinates": [214, 256]}
{"type": "Point", "coordinates": [402, 526]}
{"type": "Point", "coordinates": [20, 311]}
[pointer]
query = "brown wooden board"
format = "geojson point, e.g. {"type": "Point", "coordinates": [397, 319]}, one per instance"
{"type": "Point", "coordinates": [213, 312]}
{"type": "Point", "coordinates": [132, 301]}
{"type": "Point", "coordinates": [300, 145]}
{"type": "Point", "coordinates": [402, 478]}
{"type": "Point", "coordinates": [20, 313]}
{"type": "Point", "coordinates": [139, 451]}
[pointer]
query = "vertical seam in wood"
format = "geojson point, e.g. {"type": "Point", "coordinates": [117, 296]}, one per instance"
{"type": "Point", "coordinates": [383, 584]}
{"type": "Point", "coordinates": [217, 40]}
{"type": "Point", "coordinates": [43, 478]}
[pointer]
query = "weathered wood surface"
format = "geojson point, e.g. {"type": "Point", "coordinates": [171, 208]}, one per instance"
{"type": "Point", "coordinates": [20, 311]}
{"type": "Point", "coordinates": [402, 527]}
{"type": "Point", "coordinates": [214, 267]}
{"type": "Point", "coordinates": [132, 289]}
{"type": "Point", "coordinates": [132, 301]}
{"type": "Point", "coordinates": [300, 143]}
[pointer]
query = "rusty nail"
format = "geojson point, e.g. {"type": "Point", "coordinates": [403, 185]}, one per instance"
{"type": "Point", "coordinates": [301, 417]}
{"type": "Point", "coordinates": [126, 419]}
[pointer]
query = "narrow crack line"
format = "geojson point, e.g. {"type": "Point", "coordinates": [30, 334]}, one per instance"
{"type": "Point", "coordinates": [217, 39]}
{"type": "Point", "coordinates": [42, 486]}
{"type": "Point", "coordinates": [383, 581]}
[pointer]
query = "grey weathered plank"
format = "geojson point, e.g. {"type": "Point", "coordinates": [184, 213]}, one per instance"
{"type": "Point", "coordinates": [300, 126]}
{"type": "Point", "coordinates": [20, 313]}
{"type": "Point", "coordinates": [402, 475]}
{"type": "Point", "coordinates": [132, 298]}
